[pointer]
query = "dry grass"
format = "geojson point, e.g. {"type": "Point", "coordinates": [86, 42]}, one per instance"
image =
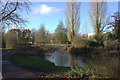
{"type": "Point", "coordinates": [105, 65]}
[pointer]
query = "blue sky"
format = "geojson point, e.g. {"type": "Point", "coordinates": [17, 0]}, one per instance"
{"type": "Point", "coordinates": [50, 13]}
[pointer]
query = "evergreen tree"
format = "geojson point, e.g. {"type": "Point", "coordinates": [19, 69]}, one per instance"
{"type": "Point", "coordinates": [40, 35]}
{"type": "Point", "coordinates": [60, 33]}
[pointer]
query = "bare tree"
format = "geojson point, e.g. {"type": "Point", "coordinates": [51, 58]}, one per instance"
{"type": "Point", "coordinates": [98, 16]}
{"type": "Point", "coordinates": [40, 35]}
{"type": "Point", "coordinates": [72, 13]}
{"type": "Point", "coordinates": [10, 12]}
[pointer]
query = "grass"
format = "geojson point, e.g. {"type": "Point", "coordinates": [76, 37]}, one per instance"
{"type": "Point", "coordinates": [85, 72]}
{"type": "Point", "coordinates": [105, 65]}
{"type": "Point", "coordinates": [29, 60]}
{"type": "Point", "coordinates": [24, 58]}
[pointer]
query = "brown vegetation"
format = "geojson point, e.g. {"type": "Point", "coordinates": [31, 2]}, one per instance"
{"type": "Point", "coordinates": [112, 49]}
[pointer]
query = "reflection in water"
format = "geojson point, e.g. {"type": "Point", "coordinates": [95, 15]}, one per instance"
{"type": "Point", "coordinates": [103, 64]}
{"type": "Point", "coordinates": [75, 60]}
{"type": "Point", "coordinates": [71, 61]}
{"type": "Point", "coordinates": [61, 59]}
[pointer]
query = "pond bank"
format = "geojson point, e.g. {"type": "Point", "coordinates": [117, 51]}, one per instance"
{"type": "Point", "coordinates": [47, 71]}
{"type": "Point", "coordinates": [28, 60]}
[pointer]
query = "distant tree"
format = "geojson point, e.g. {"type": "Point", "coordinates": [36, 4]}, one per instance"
{"type": "Point", "coordinates": [107, 36]}
{"type": "Point", "coordinates": [11, 39]}
{"type": "Point", "coordinates": [84, 36]}
{"type": "Point", "coordinates": [2, 39]}
{"type": "Point", "coordinates": [14, 37]}
{"type": "Point", "coordinates": [98, 17]}
{"type": "Point", "coordinates": [9, 13]}
{"type": "Point", "coordinates": [115, 25]}
{"type": "Point", "coordinates": [40, 35]}
{"type": "Point", "coordinates": [48, 37]}
{"type": "Point", "coordinates": [33, 35]}
{"type": "Point", "coordinates": [60, 33]}
{"type": "Point", "coordinates": [72, 14]}
{"type": "Point", "coordinates": [25, 35]}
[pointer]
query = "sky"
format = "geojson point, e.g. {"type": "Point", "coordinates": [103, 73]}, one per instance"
{"type": "Point", "coordinates": [50, 13]}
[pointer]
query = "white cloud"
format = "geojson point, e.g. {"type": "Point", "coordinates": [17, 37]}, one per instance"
{"type": "Point", "coordinates": [44, 9]}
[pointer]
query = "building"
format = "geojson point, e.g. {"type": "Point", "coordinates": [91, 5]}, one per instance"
{"type": "Point", "coordinates": [90, 35]}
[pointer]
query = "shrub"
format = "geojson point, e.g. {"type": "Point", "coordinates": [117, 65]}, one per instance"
{"type": "Point", "coordinates": [91, 43]}
{"type": "Point", "coordinates": [85, 72]}
{"type": "Point", "coordinates": [94, 44]}
{"type": "Point", "coordinates": [81, 50]}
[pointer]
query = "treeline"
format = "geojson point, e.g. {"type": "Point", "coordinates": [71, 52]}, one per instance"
{"type": "Point", "coordinates": [17, 37]}
{"type": "Point", "coordinates": [43, 36]}
{"type": "Point", "coordinates": [69, 33]}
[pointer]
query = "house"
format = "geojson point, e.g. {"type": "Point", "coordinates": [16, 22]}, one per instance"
{"type": "Point", "coordinates": [90, 35]}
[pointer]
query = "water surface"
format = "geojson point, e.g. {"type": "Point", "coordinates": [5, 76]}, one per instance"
{"type": "Point", "coordinates": [108, 65]}
{"type": "Point", "coordinates": [61, 59]}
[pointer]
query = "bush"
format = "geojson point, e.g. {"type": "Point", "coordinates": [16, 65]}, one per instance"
{"type": "Point", "coordinates": [85, 72]}
{"type": "Point", "coordinates": [81, 50]}
{"type": "Point", "coordinates": [91, 43]}
{"type": "Point", "coordinates": [94, 44]}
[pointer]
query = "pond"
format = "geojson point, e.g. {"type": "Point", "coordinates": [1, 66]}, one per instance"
{"type": "Point", "coordinates": [61, 59]}
{"type": "Point", "coordinates": [103, 64]}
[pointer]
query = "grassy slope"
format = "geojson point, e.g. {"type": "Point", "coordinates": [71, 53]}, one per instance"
{"type": "Point", "coordinates": [24, 58]}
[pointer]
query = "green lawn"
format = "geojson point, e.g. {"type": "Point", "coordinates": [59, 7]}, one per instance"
{"type": "Point", "coordinates": [24, 58]}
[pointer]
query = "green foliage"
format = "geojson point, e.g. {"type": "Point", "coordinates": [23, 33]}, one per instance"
{"type": "Point", "coordinates": [84, 72]}
{"type": "Point", "coordinates": [60, 33]}
{"type": "Point", "coordinates": [98, 37]}
{"type": "Point", "coordinates": [107, 36]}
{"type": "Point", "coordinates": [117, 29]}
{"type": "Point", "coordinates": [88, 43]}
{"type": "Point", "coordinates": [40, 35]}
{"type": "Point", "coordinates": [43, 36]}
{"type": "Point", "coordinates": [94, 44]}
{"type": "Point", "coordinates": [115, 25]}
{"type": "Point", "coordinates": [48, 38]}
{"type": "Point", "coordinates": [24, 35]}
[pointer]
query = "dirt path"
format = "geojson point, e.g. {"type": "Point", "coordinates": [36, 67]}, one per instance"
{"type": "Point", "coordinates": [10, 70]}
